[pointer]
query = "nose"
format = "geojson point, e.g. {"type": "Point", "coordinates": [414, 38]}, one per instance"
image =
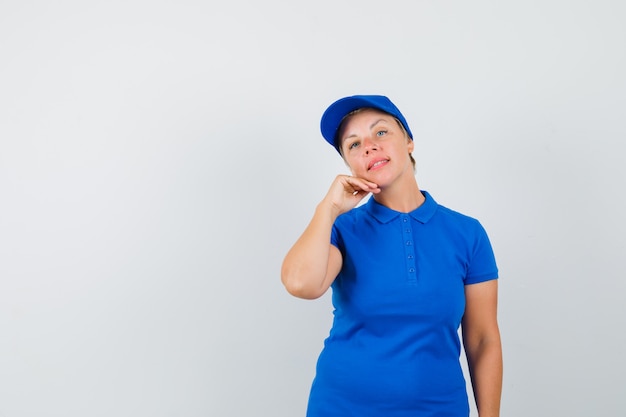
{"type": "Point", "coordinates": [369, 145]}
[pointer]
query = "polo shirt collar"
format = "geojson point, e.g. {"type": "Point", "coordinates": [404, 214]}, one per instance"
{"type": "Point", "coordinates": [384, 214]}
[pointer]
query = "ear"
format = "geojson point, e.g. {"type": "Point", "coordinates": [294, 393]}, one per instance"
{"type": "Point", "coordinates": [411, 145]}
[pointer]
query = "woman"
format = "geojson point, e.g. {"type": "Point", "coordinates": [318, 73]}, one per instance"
{"type": "Point", "coordinates": [405, 273]}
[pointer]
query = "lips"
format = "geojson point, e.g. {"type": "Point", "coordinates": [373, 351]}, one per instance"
{"type": "Point", "coordinates": [377, 163]}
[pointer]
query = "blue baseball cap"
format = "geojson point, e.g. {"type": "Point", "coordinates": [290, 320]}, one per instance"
{"type": "Point", "coordinates": [335, 113]}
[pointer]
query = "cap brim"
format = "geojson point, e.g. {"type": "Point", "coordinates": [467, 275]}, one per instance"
{"type": "Point", "coordinates": [334, 114]}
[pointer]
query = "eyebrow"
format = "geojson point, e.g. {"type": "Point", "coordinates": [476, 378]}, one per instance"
{"type": "Point", "coordinates": [376, 122]}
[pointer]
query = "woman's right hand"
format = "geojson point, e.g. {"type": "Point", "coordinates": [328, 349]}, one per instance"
{"type": "Point", "coordinates": [346, 192]}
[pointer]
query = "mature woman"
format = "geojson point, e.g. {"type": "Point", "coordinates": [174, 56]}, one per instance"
{"type": "Point", "coordinates": [405, 273]}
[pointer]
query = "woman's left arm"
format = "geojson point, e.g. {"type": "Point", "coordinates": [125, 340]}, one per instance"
{"type": "Point", "coordinates": [481, 339]}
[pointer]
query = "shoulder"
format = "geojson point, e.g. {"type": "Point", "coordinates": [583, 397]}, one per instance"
{"type": "Point", "coordinates": [353, 216]}
{"type": "Point", "coordinates": [461, 225]}
{"type": "Point", "coordinates": [433, 212]}
{"type": "Point", "coordinates": [455, 216]}
{"type": "Point", "coordinates": [357, 223]}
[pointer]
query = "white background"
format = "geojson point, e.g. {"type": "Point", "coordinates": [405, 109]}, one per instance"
{"type": "Point", "coordinates": [158, 159]}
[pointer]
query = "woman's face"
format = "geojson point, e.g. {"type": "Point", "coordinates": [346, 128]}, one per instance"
{"type": "Point", "coordinates": [375, 147]}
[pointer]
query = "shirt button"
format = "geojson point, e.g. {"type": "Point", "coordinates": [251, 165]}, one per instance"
{"type": "Point", "coordinates": [412, 270]}
{"type": "Point", "coordinates": [408, 243]}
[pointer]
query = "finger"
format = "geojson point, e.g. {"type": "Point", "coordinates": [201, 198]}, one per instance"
{"type": "Point", "coordinates": [357, 182]}
{"type": "Point", "coordinates": [362, 184]}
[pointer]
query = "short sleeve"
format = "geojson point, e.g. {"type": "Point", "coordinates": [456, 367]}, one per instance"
{"type": "Point", "coordinates": [335, 238]}
{"type": "Point", "coordinates": [482, 266]}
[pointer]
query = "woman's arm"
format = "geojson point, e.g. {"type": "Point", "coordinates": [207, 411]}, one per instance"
{"type": "Point", "coordinates": [312, 263]}
{"type": "Point", "coordinates": [481, 338]}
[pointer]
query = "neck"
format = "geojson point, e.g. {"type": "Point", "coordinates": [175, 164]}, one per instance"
{"type": "Point", "coordinates": [403, 197]}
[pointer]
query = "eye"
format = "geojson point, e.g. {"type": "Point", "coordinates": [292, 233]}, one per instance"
{"type": "Point", "coordinates": [381, 133]}
{"type": "Point", "coordinates": [353, 145]}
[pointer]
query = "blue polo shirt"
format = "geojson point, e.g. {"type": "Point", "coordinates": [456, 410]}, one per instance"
{"type": "Point", "coordinates": [393, 350]}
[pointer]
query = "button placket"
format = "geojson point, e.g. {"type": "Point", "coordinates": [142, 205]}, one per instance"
{"type": "Point", "coordinates": [409, 250]}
